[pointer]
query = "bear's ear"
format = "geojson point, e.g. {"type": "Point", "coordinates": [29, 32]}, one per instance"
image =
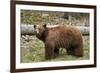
{"type": "Point", "coordinates": [34, 26]}
{"type": "Point", "coordinates": [45, 25]}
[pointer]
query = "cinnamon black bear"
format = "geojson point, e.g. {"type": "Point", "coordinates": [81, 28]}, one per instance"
{"type": "Point", "coordinates": [67, 37]}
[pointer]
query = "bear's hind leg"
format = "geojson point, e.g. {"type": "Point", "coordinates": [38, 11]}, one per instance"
{"type": "Point", "coordinates": [56, 52]}
{"type": "Point", "coordinates": [70, 51]}
{"type": "Point", "coordinates": [78, 52]}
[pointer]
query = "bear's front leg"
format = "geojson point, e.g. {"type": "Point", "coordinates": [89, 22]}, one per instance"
{"type": "Point", "coordinates": [49, 51]}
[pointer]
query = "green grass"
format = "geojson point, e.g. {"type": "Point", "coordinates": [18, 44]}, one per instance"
{"type": "Point", "coordinates": [33, 51]}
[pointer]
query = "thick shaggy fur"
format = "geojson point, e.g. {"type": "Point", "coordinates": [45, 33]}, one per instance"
{"type": "Point", "coordinates": [67, 37]}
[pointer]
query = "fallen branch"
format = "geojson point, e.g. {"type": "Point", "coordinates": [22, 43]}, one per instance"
{"type": "Point", "coordinates": [29, 30]}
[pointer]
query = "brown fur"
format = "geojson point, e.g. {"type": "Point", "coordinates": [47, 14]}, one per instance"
{"type": "Point", "coordinates": [67, 37]}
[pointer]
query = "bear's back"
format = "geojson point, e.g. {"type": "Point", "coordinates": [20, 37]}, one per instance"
{"type": "Point", "coordinates": [64, 31]}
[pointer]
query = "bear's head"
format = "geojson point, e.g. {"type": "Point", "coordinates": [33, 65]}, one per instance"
{"type": "Point", "coordinates": [40, 30]}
